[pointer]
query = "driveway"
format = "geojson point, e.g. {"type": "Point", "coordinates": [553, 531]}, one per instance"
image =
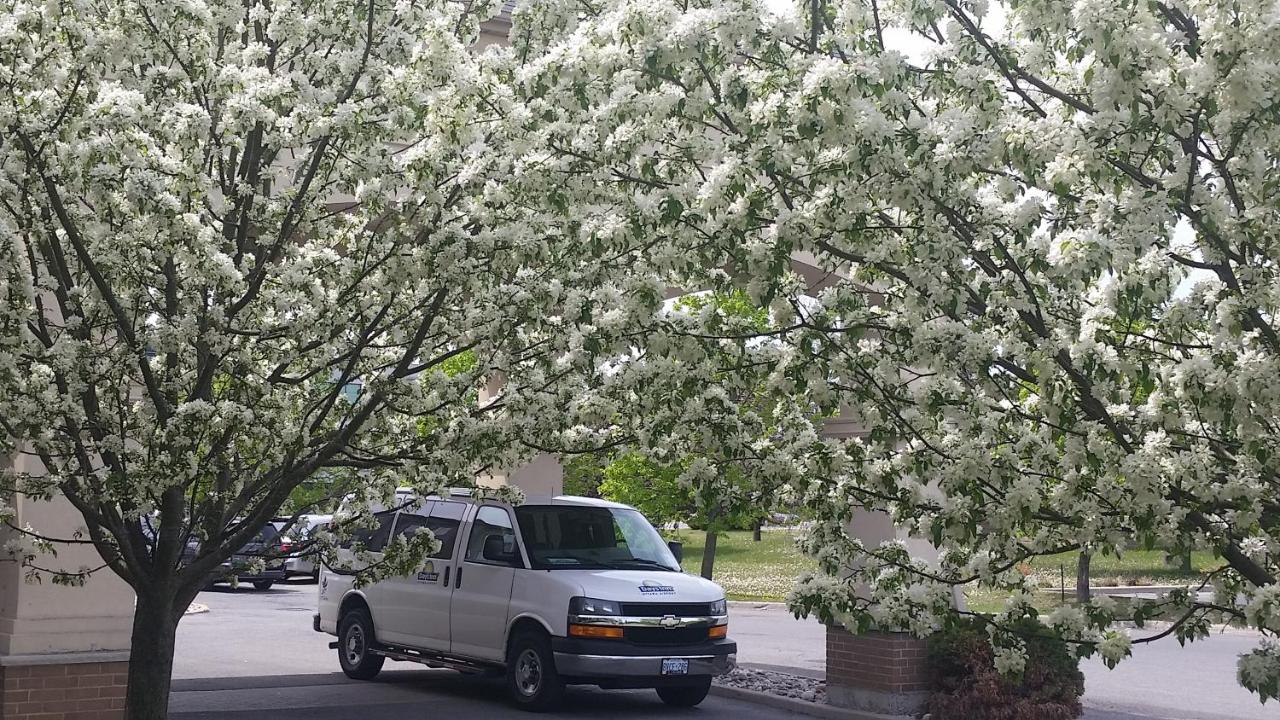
{"type": "Point", "coordinates": [256, 649]}
{"type": "Point", "coordinates": [254, 633]}
{"type": "Point", "coordinates": [254, 652]}
{"type": "Point", "coordinates": [400, 694]}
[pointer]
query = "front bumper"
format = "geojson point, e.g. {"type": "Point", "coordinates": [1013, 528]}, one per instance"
{"type": "Point", "coordinates": [578, 658]}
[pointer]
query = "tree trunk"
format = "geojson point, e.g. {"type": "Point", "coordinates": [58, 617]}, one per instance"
{"type": "Point", "coordinates": [1082, 577]}
{"type": "Point", "coordinates": [155, 626]}
{"type": "Point", "coordinates": [709, 553]}
{"type": "Point", "coordinates": [1186, 562]}
{"type": "Point", "coordinates": [755, 530]}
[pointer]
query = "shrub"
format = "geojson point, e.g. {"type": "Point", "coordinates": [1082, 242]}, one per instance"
{"type": "Point", "coordinates": [967, 686]}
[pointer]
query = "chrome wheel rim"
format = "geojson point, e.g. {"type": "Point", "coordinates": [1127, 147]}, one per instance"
{"type": "Point", "coordinates": [354, 647]}
{"type": "Point", "coordinates": [529, 673]}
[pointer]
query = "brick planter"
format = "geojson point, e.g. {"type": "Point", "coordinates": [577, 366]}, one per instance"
{"type": "Point", "coordinates": [50, 690]}
{"type": "Point", "coordinates": [876, 672]}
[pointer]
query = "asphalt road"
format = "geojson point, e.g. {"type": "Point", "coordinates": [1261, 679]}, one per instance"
{"type": "Point", "coordinates": [254, 654]}
{"type": "Point", "coordinates": [401, 694]}
{"type": "Point", "coordinates": [253, 633]}
{"type": "Point", "coordinates": [256, 651]}
{"type": "Point", "coordinates": [1163, 680]}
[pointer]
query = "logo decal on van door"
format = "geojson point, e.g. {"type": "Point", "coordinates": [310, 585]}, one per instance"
{"type": "Point", "coordinates": [649, 587]}
{"type": "Point", "coordinates": [428, 573]}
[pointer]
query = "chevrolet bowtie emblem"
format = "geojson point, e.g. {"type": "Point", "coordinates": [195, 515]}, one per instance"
{"type": "Point", "coordinates": [669, 621]}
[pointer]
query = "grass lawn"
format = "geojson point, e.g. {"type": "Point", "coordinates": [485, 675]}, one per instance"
{"type": "Point", "coordinates": [747, 570]}
{"type": "Point", "coordinates": [1135, 567]}
{"type": "Point", "coordinates": [766, 570]}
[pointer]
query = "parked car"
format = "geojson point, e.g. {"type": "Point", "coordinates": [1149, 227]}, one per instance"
{"type": "Point", "coordinates": [266, 545]}
{"type": "Point", "coordinates": [305, 561]}
{"type": "Point", "coordinates": [555, 591]}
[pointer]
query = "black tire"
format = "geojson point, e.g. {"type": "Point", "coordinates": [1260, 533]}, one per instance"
{"type": "Point", "coordinates": [685, 695]}
{"type": "Point", "coordinates": [355, 640]}
{"type": "Point", "coordinates": [532, 679]}
{"type": "Point", "coordinates": [263, 584]}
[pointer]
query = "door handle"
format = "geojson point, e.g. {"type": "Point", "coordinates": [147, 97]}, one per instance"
{"type": "Point", "coordinates": [446, 575]}
{"type": "Point", "coordinates": [457, 579]}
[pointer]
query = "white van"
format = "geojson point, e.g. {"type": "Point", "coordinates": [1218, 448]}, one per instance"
{"type": "Point", "coordinates": [554, 591]}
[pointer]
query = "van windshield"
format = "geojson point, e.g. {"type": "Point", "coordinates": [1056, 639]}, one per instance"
{"type": "Point", "coordinates": [572, 537]}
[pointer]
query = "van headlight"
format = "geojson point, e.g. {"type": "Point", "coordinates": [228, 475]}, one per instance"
{"type": "Point", "coordinates": [720, 607]}
{"type": "Point", "coordinates": [594, 606]}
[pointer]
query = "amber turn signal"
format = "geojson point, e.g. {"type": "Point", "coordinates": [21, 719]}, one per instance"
{"type": "Point", "coordinates": [718, 632]}
{"type": "Point", "coordinates": [595, 631]}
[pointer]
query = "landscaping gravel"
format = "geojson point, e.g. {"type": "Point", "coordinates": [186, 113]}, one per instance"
{"type": "Point", "coordinates": [776, 683]}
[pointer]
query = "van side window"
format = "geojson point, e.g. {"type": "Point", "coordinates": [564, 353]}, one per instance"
{"type": "Point", "coordinates": [374, 540]}
{"type": "Point", "coordinates": [407, 524]}
{"type": "Point", "coordinates": [490, 521]}
{"type": "Point", "coordinates": [442, 522]}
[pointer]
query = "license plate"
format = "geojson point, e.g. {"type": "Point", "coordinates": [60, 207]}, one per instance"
{"type": "Point", "coordinates": [675, 666]}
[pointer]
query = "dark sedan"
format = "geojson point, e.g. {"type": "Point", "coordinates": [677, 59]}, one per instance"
{"type": "Point", "coordinates": [265, 545]}
{"type": "Point", "coordinates": [239, 567]}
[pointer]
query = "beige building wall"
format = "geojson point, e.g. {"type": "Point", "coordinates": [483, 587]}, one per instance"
{"type": "Point", "coordinates": [496, 31]}
{"type": "Point", "coordinates": [542, 476]}
{"type": "Point", "coordinates": [38, 618]}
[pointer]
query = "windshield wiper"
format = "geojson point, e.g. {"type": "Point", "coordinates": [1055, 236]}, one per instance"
{"type": "Point", "coordinates": [617, 564]}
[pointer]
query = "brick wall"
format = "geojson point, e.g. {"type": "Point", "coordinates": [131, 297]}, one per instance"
{"type": "Point", "coordinates": [72, 691]}
{"type": "Point", "coordinates": [892, 662]}
{"type": "Point", "coordinates": [876, 671]}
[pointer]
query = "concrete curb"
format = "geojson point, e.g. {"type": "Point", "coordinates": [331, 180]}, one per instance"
{"type": "Point", "coordinates": [1117, 589]}
{"type": "Point", "coordinates": [829, 712]}
{"type": "Point", "coordinates": [196, 609]}
{"type": "Point", "coordinates": [757, 604]}
{"type": "Point", "coordinates": [786, 670]}
{"type": "Point", "coordinates": [1155, 626]}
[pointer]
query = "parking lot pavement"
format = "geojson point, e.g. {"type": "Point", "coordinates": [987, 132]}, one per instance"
{"type": "Point", "coordinates": [770, 637]}
{"type": "Point", "coordinates": [256, 649]}
{"type": "Point", "coordinates": [1164, 680]}
{"type": "Point", "coordinates": [254, 633]}
{"type": "Point", "coordinates": [250, 632]}
{"type": "Point", "coordinates": [402, 694]}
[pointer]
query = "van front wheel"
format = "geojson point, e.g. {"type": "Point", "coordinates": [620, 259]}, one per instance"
{"type": "Point", "coordinates": [532, 679]}
{"type": "Point", "coordinates": [355, 645]}
{"type": "Point", "coordinates": [685, 695]}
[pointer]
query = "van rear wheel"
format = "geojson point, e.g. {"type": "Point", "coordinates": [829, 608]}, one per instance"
{"type": "Point", "coordinates": [685, 695]}
{"type": "Point", "coordinates": [355, 646]}
{"type": "Point", "coordinates": [532, 679]}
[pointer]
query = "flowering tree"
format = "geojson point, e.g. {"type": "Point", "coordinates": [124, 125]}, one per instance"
{"type": "Point", "coordinates": [1050, 229]}
{"type": "Point", "coordinates": [248, 242]}
{"type": "Point", "coordinates": [728, 330]}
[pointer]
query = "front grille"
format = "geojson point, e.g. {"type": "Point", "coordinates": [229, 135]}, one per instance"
{"type": "Point", "coordinates": [664, 609]}
{"type": "Point", "coordinates": [666, 636]}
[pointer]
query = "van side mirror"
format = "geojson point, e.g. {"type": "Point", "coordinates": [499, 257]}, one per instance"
{"type": "Point", "coordinates": [496, 550]}
{"type": "Point", "coordinates": [677, 548]}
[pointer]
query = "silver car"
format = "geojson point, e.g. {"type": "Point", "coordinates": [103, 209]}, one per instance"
{"type": "Point", "coordinates": [303, 562]}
